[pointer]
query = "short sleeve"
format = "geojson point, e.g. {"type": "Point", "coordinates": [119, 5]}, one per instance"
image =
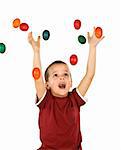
{"type": "Point", "coordinates": [42, 101]}
{"type": "Point", "coordinates": [80, 100]}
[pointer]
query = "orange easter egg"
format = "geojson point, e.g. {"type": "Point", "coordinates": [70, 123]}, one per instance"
{"type": "Point", "coordinates": [16, 23]}
{"type": "Point", "coordinates": [98, 32]}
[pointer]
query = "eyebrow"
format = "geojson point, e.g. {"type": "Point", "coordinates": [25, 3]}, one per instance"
{"type": "Point", "coordinates": [64, 71]}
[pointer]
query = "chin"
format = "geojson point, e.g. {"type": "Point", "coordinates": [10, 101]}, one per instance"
{"type": "Point", "coordinates": [63, 93]}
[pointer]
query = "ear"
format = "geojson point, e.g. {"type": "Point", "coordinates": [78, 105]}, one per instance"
{"type": "Point", "coordinates": [71, 82]}
{"type": "Point", "coordinates": [47, 86]}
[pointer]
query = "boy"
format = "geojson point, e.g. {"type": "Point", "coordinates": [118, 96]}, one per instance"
{"type": "Point", "coordinates": [59, 116]}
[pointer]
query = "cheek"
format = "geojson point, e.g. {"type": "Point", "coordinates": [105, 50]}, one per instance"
{"type": "Point", "coordinates": [52, 82]}
{"type": "Point", "coordinates": [69, 83]}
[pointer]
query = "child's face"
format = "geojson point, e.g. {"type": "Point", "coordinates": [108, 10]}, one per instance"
{"type": "Point", "coordinates": [59, 81]}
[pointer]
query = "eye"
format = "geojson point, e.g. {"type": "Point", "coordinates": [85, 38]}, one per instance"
{"type": "Point", "coordinates": [55, 75]}
{"type": "Point", "coordinates": [66, 74]}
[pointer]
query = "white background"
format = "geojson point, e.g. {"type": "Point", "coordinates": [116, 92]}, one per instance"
{"type": "Point", "coordinates": [100, 117]}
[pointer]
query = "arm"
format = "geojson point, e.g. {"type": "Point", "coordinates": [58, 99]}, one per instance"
{"type": "Point", "coordinates": [39, 84]}
{"type": "Point", "coordinates": [91, 64]}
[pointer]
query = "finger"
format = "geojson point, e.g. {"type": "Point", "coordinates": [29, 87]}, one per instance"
{"type": "Point", "coordinates": [29, 34]}
{"type": "Point", "coordinates": [94, 30]}
{"type": "Point", "coordinates": [38, 40]}
{"type": "Point", "coordinates": [30, 37]}
{"type": "Point", "coordinates": [102, 38]}
{"type": "Point", "coordinates": [88, 36]}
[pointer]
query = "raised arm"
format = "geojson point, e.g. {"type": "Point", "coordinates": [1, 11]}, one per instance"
{"type": "Point", "coordinates": [91, 64]}
{"type": "Point", "coordinates": [39, 84]}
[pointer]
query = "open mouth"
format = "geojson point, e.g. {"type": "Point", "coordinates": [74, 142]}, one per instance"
{"type": "Point", "coordinates": [62, 85]}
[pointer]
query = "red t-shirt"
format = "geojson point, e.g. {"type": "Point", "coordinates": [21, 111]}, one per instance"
{"type": "Point", "coordinates": [59, 121]}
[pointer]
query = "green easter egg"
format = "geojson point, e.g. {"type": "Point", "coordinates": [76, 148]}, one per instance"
{"type": "Point", "coordinates": [2, 48]}
{"type": "Point", "coordinates": [81, 39]}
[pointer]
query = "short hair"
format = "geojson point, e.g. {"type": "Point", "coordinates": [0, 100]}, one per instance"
{"type": "Point", "coordinates": [46, 75]}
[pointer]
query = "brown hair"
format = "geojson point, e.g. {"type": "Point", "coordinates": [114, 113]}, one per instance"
{"type": "Point", "coordinates": [53, 63]}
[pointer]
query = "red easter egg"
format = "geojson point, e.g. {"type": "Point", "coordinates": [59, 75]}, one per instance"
{"type": "Point", "coordinates": [73, 59]}
{"type": "Point", "coordinates": [24, 26]}
{"type": "Point", "coordinates": [77, 24]}
{"type": "Point", "coordinates": [98, 32]}
{"type": "Point", "coordinates": [36, 73]}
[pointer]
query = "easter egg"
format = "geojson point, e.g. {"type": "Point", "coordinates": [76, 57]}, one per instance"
{"type": "Point", "coordinates": [16, 23]}
{"type": "Point", "coordinates": [2, 48]}
{"type": "Point", "coordinates": [73, 59]}
{"type": "Point", "coordinates": [46, 34]}
{"type": "Point", "coordinates": [36, 73]}
{"type": "Point", "coordinates": [77, 24]}
{"type": "Point", "coordinates": [98, 32]}
{"type": "Point", "coordinates": [81, 39]}
{"type": "Point", "coordinates": [24, 26]}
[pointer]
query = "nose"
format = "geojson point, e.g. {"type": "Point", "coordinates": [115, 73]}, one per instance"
{"type": "Point", "coordinates": [61, 77]}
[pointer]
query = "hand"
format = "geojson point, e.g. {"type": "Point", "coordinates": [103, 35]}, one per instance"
{"type": "Point", "coordinates": [93, 40]}
{"type": "Point", "coordinates": [35, 44]}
